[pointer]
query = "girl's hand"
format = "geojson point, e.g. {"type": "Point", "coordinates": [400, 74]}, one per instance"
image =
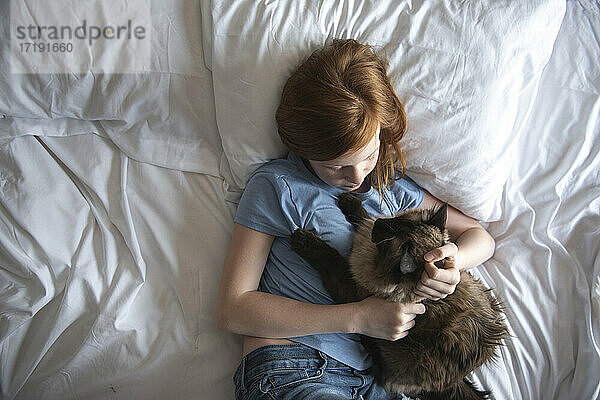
{"type": "Point", "coordinates": [437, 283]}
{"type": "Point", "coordinates": [386, 320]}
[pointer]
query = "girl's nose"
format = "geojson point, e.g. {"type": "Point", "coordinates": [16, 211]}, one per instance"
{"type": "Point", "coordinates": [354, 175]}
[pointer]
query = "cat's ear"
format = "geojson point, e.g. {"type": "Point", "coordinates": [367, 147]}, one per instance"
{"type": "Point", "coordinates": [382, 230]}
{"type": "Point", "coordinates": [439, 218]}
{"type": "Point", "coordinates": [408, 262]}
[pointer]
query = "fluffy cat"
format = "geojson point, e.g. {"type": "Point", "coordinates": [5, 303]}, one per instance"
{"type": "Point", "coordinates": [455, 335]}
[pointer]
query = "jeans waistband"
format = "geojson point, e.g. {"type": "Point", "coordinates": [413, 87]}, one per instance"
{"type": "Point", "coordinates": [285, 356]}
{"type": "Point", "coordinates": [303, 356]}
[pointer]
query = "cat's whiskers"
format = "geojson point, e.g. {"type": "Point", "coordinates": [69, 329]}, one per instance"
{"type": "Point", "coordinates": [384, 240]}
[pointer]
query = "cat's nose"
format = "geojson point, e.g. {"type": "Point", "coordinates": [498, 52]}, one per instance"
{"type": "Point", "coordinates": [407, 268]}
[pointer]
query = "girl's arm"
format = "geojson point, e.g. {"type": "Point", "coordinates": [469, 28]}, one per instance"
{"type": "Point", "coordinates": [471, 245]}
{"type": "Point", "coordinates": [244, 310]}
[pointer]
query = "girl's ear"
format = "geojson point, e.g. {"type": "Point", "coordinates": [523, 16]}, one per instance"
{"type": "Point", "coordinates": [439, 218]}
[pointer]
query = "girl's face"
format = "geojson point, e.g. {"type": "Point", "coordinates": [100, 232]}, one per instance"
{"type": "Point", "coordinates": [348, 171]}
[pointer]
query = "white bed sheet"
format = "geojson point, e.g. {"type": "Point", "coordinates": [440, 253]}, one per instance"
{"type": "Point", "coordinates": [547, 261]}
{"type": "Point", "coordinates": [109, 266]}
{"type": "Point", "coordinates": [109, 275]}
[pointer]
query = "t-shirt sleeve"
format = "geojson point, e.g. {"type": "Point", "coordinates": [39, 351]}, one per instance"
{"type": "Point", "coordinates": [266, 206]}
{"type": "Point", "coordinates": [408, 193]}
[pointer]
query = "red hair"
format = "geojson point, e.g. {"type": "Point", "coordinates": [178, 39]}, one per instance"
{"type": "Point", "coordinates": [332, 103]}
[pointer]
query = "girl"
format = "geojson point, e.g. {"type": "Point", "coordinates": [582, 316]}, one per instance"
{"type": "Point", "coordinates": [342, 122]}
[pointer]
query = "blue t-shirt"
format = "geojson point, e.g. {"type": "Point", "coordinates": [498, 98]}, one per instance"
{"type": "Point", "coordinates": [283, 195]}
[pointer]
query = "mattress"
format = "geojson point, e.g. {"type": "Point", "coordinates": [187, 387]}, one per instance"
{"type": "Point", "coordinates": [120, 174]}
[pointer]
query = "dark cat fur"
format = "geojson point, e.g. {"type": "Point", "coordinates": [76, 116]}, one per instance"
{"type": "Point", "coordinates": [455, 336]}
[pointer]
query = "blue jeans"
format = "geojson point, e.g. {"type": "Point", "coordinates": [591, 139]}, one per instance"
{"type": "Point", "coordinates": [295, 371]}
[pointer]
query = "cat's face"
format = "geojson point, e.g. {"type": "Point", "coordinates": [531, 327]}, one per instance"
{"type": "Point", "coordinates": [402, 242]}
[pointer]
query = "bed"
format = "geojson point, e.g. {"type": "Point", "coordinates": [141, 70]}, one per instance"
{"type": "Point", "coordinates": [121, 162]}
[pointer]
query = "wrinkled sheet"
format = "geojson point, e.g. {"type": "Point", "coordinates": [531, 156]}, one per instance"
{"type": "Point", "coordinates": [109, 272]}
{"type": "Point", "coordinates": [547, 261]}
{"type": "Point", "coordinates": [109, 266]}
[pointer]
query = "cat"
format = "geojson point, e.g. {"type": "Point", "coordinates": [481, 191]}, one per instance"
{"type": "Point", "coordinates": [456, 334]}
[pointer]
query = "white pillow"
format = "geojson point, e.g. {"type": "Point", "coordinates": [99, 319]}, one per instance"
{"type": "Point", "coordinates": [467, 75]}
{"type": "Point", "coordinates": [155, 101]}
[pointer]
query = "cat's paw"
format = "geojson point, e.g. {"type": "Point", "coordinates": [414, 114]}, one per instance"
{"type": "Point", "coordinates": [302, 241]}
{"type": "Point", "coordinates": [352, 208]}
{"type": "Point", "coordinates": [348, 203]}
